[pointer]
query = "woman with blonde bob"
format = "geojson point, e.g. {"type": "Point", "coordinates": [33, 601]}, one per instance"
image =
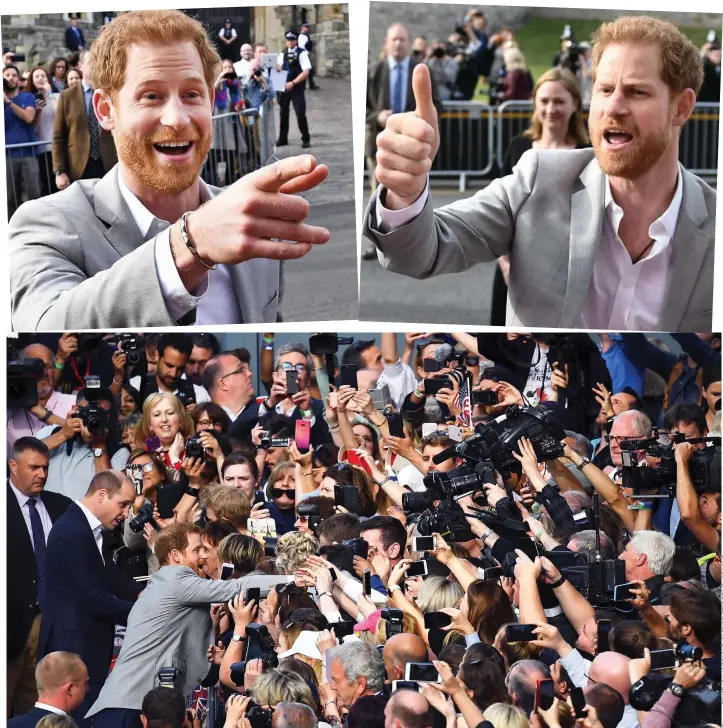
{"type": "Point", "coordinates": [557, 123]}
{"type": "Point", "coordinates": [505, 715]}
{"type": "Point", "coordinates": [293, 550]}
{"type": "Point", "coordinates": [274, 686]}
{"type": "Point", "coordinates": [167, 419]}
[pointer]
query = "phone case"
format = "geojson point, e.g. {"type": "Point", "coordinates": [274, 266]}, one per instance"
{"type": "Point", "coordinates": [302, 435]}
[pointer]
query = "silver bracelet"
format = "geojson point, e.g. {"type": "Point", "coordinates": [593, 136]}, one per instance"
{"type": "Point", "coordinates": [189, 244]}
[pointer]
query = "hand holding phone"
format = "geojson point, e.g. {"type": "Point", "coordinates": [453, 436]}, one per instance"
{"type": "Point", "coordinates": [424, 543]}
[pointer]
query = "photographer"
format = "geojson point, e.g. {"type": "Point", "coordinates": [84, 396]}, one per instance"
{"type": "Point", "coordinates": [81, 448]}
{"type": "Point", "coordinates": [443, 69]}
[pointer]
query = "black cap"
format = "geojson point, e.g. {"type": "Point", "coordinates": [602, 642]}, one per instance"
{"type": "Point", "coordinates": [290, 35]}
{"type": "Point", "coordinates": [228, 20]}
{"type": "Point", "coordinates": [304, 25]}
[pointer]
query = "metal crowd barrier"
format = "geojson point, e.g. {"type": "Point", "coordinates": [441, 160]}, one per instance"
{"type": "Point", "coordinates": [474, 138]}
{"type": "Point", "coordinates": [242, 143]}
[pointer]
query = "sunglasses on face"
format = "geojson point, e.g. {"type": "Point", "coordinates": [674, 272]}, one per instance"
{"type": "Point", "coordinates": [279, 492]}
{"type": "Point", "coordinates": [144, 468]}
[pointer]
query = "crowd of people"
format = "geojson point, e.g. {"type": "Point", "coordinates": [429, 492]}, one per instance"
{"type": "Point", "coordinates": [485, 531]}
{"type": "Point", "coordinates": [38, 110]}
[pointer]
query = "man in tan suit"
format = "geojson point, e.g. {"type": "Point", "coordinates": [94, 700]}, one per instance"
{"type": "Point", "coordinates": [81, 149]}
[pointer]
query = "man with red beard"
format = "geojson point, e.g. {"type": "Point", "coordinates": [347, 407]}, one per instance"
{"type": "Point", "coordinates": [150, 244]}
{"type": "Point", "coordinates": [618, 237]}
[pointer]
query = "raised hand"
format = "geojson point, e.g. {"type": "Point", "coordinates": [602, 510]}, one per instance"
{"type": "Point", "coordinates": [408, 145]}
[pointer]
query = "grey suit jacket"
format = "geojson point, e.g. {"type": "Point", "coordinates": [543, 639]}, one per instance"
{"type": "Point", "coordinates": [169, 626]}
{"type": "Point", "coordinates": [547, 216]}
{"type": "Point", "coordinates": [78, 261]}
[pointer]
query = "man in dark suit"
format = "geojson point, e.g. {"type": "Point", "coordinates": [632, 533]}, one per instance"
{"type": "Point", "coordinates": [62, 684]}
{"type": "Point", "coordinates": [86, 595]}
{"type": "Point", "coordinates": [389, 91]}
{"type": "Point", "coordinates": [294, 359]}
{"type": "Point", "coordinates": [31, 514]}
{"type": "Point", "coordinates": [74, 38]}
{"type": "Point", "coordinates": [81, 149]}
{"type": "Point", "coordinates": [229, 380]}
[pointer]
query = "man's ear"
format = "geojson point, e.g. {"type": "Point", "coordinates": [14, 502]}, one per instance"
{"type": "Point", "coordinates": [394, 551]}
{"type": "Point", "coordinates": [104, 110]}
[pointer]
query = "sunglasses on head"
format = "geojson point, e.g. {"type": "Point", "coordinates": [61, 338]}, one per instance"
{"type": "Point", "coordinates": [278, 492]}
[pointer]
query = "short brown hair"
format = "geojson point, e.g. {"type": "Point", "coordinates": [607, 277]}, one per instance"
{"type": "Point", "coordinates": [151, 27]}
{"type": "Point", "coordinates": [57, 669]}
{"type": "Point", "coordinates": [681, 62]}
{"type": "Point", "coordinates": [173, 537]}
{"type": "Point", "coordinates": [112, 481]}
{"type": "Point", "coordinates": [228, 504]}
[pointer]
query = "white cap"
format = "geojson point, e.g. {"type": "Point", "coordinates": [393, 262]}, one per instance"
{"type": "Point", "coordinates": [305, 645]}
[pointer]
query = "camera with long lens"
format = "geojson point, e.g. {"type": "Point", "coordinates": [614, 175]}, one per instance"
{"type": "Point", "coordinates": [495, 441]}
{"type": "Point", "coordinates": [661, 480]}
{"type": "Point", "coordinates": [88, 343]}
{"type": "Point", "coordinates": [144, 515]}
{"type": "Point", "coordinates": [418, 502]}
{"type": "Point", "coordinates": [132, 345]}
{"type": "Point", "coordinates": [464, 480]}
{"type": "Point", "coordinates": [310, 511]}
{"type": "Point", "coordinates": [259, 644]}
{"type": "Point", "coordinates": [447, 519]}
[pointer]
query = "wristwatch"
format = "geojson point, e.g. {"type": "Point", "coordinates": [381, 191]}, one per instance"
{"type": "Point", "coordinates": [677, 689]}
{"type": "Point", "coordinates": [583, 462]}
{"type": "Point", "coordinates": [46, 416]}
{"type": "Point", "coordinates": [98, 452]}
{"type": "Point", "coordinates": [393, 588]}
{"type": "Point", "coordinates": [238, 638]}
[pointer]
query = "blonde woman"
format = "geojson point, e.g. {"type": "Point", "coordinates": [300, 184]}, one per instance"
{"type": "Point", "coordinates": [293, 549]}
{"type": "Point", "coordinates": [518, 81]}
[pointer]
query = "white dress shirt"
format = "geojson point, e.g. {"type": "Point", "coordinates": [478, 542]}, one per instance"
{"type": "Point", "coordinates": [25, 510]}
{"type": "Point", "coordinates": [95, 526]}
{"type": "Point", "coordinates": [304, 60]}
{"type": "Point", "coordinates": [623, 296]}
{"type": "Point", "coordinates": [50, 708]}
{"type": "Point", "coordinates": [242, 69]}
{"type": "Point", "coordinates": [214, 299]}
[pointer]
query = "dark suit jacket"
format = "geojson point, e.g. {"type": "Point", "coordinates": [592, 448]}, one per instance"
{"type": "Point", "coordinates": [71, 136]}
{"type": "Point", "coordinates": [241, 427]}
{"type": "Point", "coordinates": [22, 583]}
{"type": "Point", "coordinates": [86, 598]}
{"type": "Point", "coordinates": [378, 99]}
{"type": "Point", "coordinates": [72, 41]}
{"type": "Point", "coordinates": [28, 720]}
{"type": "Point", "coordinates": [319, 432]}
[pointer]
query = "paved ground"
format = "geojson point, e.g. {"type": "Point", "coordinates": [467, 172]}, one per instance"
{"type": "Point", "coordinates": [323, 285]}
{"type": "Point", "coordinates": [461, 299]}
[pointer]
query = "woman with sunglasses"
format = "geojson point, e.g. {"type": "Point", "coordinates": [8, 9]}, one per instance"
{"type": "Point", "coordinates": [281, 493]}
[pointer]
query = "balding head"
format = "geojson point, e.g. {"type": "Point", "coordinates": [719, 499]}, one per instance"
{"type": "Point", "coordinates": [62, 680]}
{"type": "Point", "coordinates": [401, 649]}
{"type": "Point", "coordinates": [612, 668]}
{"type": "Point", "coordinates": [397, 42]}
{"type": "Point", "coordinates": [407, 709]}
{"type": "Point", "coordinates": [522, 682]}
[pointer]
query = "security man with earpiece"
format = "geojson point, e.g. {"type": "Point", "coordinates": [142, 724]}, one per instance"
{"type": "Point", "coordinates": [295, 61]}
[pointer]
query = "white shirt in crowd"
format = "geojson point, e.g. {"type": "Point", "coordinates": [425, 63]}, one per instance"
{"type": "Point", "coordinates": [620, 296]}
{"type": "Point", "coordinates": [45, 519]}
{"type": "Point", "coordinates": [95, 526]}
{"type": "Point", "coordinates": [201, 394]}
{"type": "Point", "coordinates": [400, 379]}
{"type": "Point", "coordinates": [22, 422]}
{"type": "Point", "coordinates": [214, 299]}
{"type": "Point", "coordinates": [304, 61]}
{"type": "Point", "coordinates": [234, 34]}
{"type": "Point", "coordinates": [302, 40]}
{"type": "Point", "coordinates": [242, 68]}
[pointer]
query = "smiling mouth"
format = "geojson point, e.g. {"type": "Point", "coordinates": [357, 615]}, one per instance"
{"type": "Point", "coordinates": [617, 138]}
{"type": "Point", "coordinates": [173, 149]}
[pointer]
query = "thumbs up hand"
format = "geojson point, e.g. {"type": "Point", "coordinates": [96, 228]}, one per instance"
{"type": "Point", "coordinates": [408, 145]}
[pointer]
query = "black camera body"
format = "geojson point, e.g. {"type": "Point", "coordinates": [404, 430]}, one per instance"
{"type": "Point", "coordinates": [310, 511]}
{"type": "Point", "coordinates": [22, 383]}
{"type": "Point", "coordinates": [700, 705]}
{"type": "Point", "coordinates": [462, 481]}
{"type": "Point", "coordinates": [88, 343]}
{"type": "Point", "coordinates": [597, 580]}
{"type": "Point", "coordinates": [267, 442]}
{"type": "Point", "coordinates": [94, 417]}
{"type": "Point", "coordinates": [132, 346]}
{"type": "Point", "coordinates": [194, 447]}
{"type": "Point", "coordinates": [357, 546]}
{"type": "Point", "coordinates": [395, 621]}
{"type": "Point", "coordinates": [259, 645]}
{"type": "Point", "coordinates": [257, 716]}
{"type": "Point", "coordinates": [144, 515]}
{"type": "Point", "coordinates": [448, 519]}
{"type": "Point", "coordinates": [327, 344]}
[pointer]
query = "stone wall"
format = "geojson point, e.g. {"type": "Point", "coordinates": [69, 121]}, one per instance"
{"type": "Point", "coordinates": [42, 37]}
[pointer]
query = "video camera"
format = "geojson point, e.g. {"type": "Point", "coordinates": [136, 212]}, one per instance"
{"type": "Point", "coordinates": [144, 515]}
{"type": "Point", "coordinates": [259, 644]}
{"type": "Point", "coordinates": [663, 478]}
{"type": "Point", "coordinates": [22, 383]}
{"type": "Point", "coordinates": [448, 519]}
{"type": "Point", "coordinates": [327, 344]}
{"type": "Point", "coordinates": [267, 442]}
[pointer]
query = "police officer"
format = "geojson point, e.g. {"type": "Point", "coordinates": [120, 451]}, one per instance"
{"type": "Point", "coordinates": [227, 40]}
{"type": "Point", "coordinates": [297, 65]}
{"type": "Point", "coordinates": [306, 44]}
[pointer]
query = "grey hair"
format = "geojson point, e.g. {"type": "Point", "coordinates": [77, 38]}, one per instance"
{"type": "Point", "coordinates": [642, 426]}
{"type": "Point", "coordinates": [585, 545]}
{"type": "Point", "coordinates": [439, 592]}
{"type": "Point", "coordinates": [522, 681]}
{"type": "Point", "coordinates": [657, 547]}
{"type": "Point", "coordinates": [580, 444]}
{"type": "Point", "coordinates": [297, 348]}
{"type": "Point", "coordinates": [577, 500]}
{"type": "Point", "coordinates": [359, 659]}
{"type": "Point", "coordinates": [294, 715]}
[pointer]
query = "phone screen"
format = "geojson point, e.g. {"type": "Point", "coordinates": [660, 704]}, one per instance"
{"type": "Point", "coordinates": [622, 591]}
{"type": "Point", "coordinates": [226, 571]}
{"type": "Point", "coordinates": [404, 685]}
{"type": "Point", "coordinates": [396, 425]}
{"type": "Point", "coordinates": [423, 543]}
{"type": "Point", "coordinates": [662, 659]}
{"type": "Point", "coordinates": [578, 702]}
{"type": "Point", "coordinates": [292, 386]}
{"type": "Point", "coordinates": [348, 375]}
{"type": "Point", "coordinates": [417, 568]}
{"type": "Point", "coordinates": [603, 635]}
{"type": "Point", "coordinates": [421, 672]}
{"type": "Point", "coordinates": [520, 632]}
{"type": "Point", "coordinates": [367, 582]}
{"type": "Point", "coordinates": [253, 594]}
{"type": "Point", "coordinates": [436, 620]}
{"type": "Point", "coordinates": [545, 694]}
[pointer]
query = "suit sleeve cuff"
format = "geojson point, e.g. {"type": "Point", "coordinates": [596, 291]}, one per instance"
{"type": "Point", "coordinates": [389, 220]}
{"type": "Point", "coordinates": [178, 300]}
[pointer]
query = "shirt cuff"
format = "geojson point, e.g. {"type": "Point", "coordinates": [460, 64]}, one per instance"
{"type": "Point", "coordinates": [472, 639]}
{"type": "Point", "coordinates": [178, 300]}
{"type": "Point", "coordinates": [390, 220]}
{"type": "Point", "coordinates": [576, 666]}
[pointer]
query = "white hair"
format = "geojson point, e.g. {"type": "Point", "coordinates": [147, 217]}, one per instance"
{"type": "Point", "coordinates": [642, 426]}
{"type": "Point", "coordinates": [657, 547]}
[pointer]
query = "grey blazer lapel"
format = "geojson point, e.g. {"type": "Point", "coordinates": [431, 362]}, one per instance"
{"type": "Point", "coordinates": [586, 217]}
{"type": "Point", "coordinates": [122, 232]}
{"type": "Point", "coordinates": [689, 247]}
